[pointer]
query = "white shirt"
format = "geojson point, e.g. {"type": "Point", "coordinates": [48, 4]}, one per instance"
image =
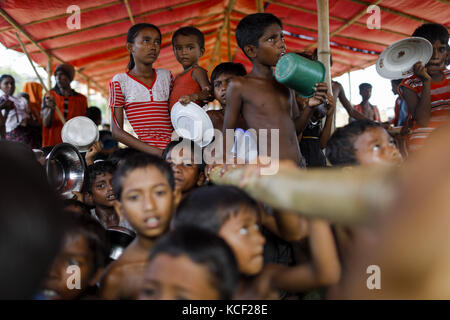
{"type": "Point", "coordinates": [18, 114]}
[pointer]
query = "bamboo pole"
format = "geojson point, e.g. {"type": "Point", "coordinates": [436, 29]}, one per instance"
{"type": "Point", "coordinates": [130, 13]}
{"type": "Point", "coordinates": [229, 37]}
{"type": "Point", "coordinates": [260, 5]}
{"type": "Point", "coordinates": [340, 196]}
{"type": "Point", "coordinates": [49, 72]}
{"type": "Point", "coordinates": [88, 85]}
{"type": "Point", "coordinates": [217, 45]}
{"type": "Point", "coordinates": [349, 87]}
{"type": "Point", "coordinates": [58, 112]}
{"type": "Point", "coordinates": [323, 52]}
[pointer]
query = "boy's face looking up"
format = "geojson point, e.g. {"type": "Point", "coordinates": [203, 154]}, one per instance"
{"type": "Point", "coordinates": [271, 46]}
{"type": "Point", "coordinates": [146, 201]}
{"type": "Point", "coordinates": [438, 59]}
{"type": "Point", "coordinates": [186, 173]}
{"type": "Point", "coordinates": [220, 87]}
{"type": "Point", "coordinates": [376, 146]}
{"type": "Point", "coordinates": [241, 232]}
{"type": "Point", "coordinates": [102, 190]}
{"type": "Point", "coordinates": [187, 50]}
{"type": "Point", "coordinates": [75, 251]}
{"type": "Point", "coordinates": [165, 279]}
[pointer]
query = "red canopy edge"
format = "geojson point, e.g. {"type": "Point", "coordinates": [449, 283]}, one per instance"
{"type": "Point", "coordinates": [97, 49]}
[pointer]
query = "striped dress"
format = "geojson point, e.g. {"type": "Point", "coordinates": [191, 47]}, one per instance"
{"type": "Point", "coordinates": [440, 108]}
{"type": "Point", "coordinates": [146, 108]}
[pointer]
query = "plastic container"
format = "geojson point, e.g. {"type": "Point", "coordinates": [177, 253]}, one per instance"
{"type": "Point", "coordinates": [299, 73]}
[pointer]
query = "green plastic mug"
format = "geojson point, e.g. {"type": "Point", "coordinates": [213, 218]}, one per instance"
{"type": "Point", "coordinates": [299, 73]}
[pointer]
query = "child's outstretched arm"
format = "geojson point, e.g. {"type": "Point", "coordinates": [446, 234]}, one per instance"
{"type": "Point", "coordinates": [420, 108]}
{"type": "Point", "coordinates": [122, 136]}
{"type": "Point", "coordinates": [347, 105]}
{"type": "Point", "coordinates": [201, 77]}
{"type": "Point", "coordinates": [323, 270]}
{"type": "Point", "coordinates": [326, 131]}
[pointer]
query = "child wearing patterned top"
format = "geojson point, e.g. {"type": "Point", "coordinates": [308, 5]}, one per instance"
{"type": "Point", "coordinates": [143, 93]}
{"type": "Point", "coordinates": [427, 92]}
{"type": "Point", "coordinates": [192, 84]}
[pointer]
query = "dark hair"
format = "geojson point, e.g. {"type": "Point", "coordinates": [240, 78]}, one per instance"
{"type": "Point", "coordinates": [190, 31]}
{"type": "Point", "coordinates": [206, 248]}
{"type": "Point", "coordinates": [432, 32]}
{"type": "Point", "coordinates": [121, 154]}
{"type": "Point", "coordinates": [364, 85]}
{"type": "Point", "coordinates": [340, 148]}
{"type": "Point", "coordinates": [236, 69]}
{"type": "Point", "coordinates": [193, 148]}
{"type": "Point", "coordinates": [252, 27]}
{"type": "Point", "coordinates": [97, 169]}
{"type": "Point", "coordinates": [138, 161]}
{"type": "Point", "coordinates": [95, 235]}
{"type": "Point", "coordinates": [94, 113]}
{"type": "Point", "coordinates": [133, 33]}
{"type": "Point", "coordinates": [396, 81]}
{"type": "Point", "coordinates": [32, 223]}
{"type": "Point", "coordinates": [4, 76]}
{"type": "Point", "coordinates": [210, 207]}
{"type": "Point", "coordinates": [75, 203]}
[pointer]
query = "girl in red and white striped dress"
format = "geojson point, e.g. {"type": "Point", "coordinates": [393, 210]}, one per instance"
{"type": "Point", "coordinates": [143, 93]}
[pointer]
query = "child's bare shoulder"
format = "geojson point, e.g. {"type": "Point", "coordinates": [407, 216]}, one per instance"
{"type": "Point", "coordinates": [239, 82]}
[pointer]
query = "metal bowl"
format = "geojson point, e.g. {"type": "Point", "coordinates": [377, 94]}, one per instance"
{"type": "Point", "coordinates": [119, 239]}
{"type": "Point", "coordinates": [65, 169]}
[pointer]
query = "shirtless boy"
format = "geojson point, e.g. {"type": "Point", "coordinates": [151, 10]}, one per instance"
{"type": "Point", "coordinates": [263, 102]}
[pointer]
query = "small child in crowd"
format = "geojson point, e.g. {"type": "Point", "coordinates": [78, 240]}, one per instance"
{"type": "Point", "coordinates": [365, 107]}
{"type": "Point", "coordinates": [190, 263]}
{"type": "Point", "coordinates": [427, 92]}
{"type": "Point", "coordinates": [220, 78]}
{"type": "Point", "coordinates": [188, 173]}
{"type": "Point", "coordinates": [192, 85]}
{"type": "Point", "coordinates": [314, 138]}
{"type": "Point", "coordinates": [100, 195]}
{"type": "Point", "coordinates": [362, 142]}
{"type": "Point", "coordinates": [234, 216]}
{"type": "Point", "coordinates": [85, 250]}
{"type": "Point", "coordinates": [143, 186]}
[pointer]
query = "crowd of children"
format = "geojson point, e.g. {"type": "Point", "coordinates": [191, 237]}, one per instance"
{"type": "Point", "coordinates": [189, 238]}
